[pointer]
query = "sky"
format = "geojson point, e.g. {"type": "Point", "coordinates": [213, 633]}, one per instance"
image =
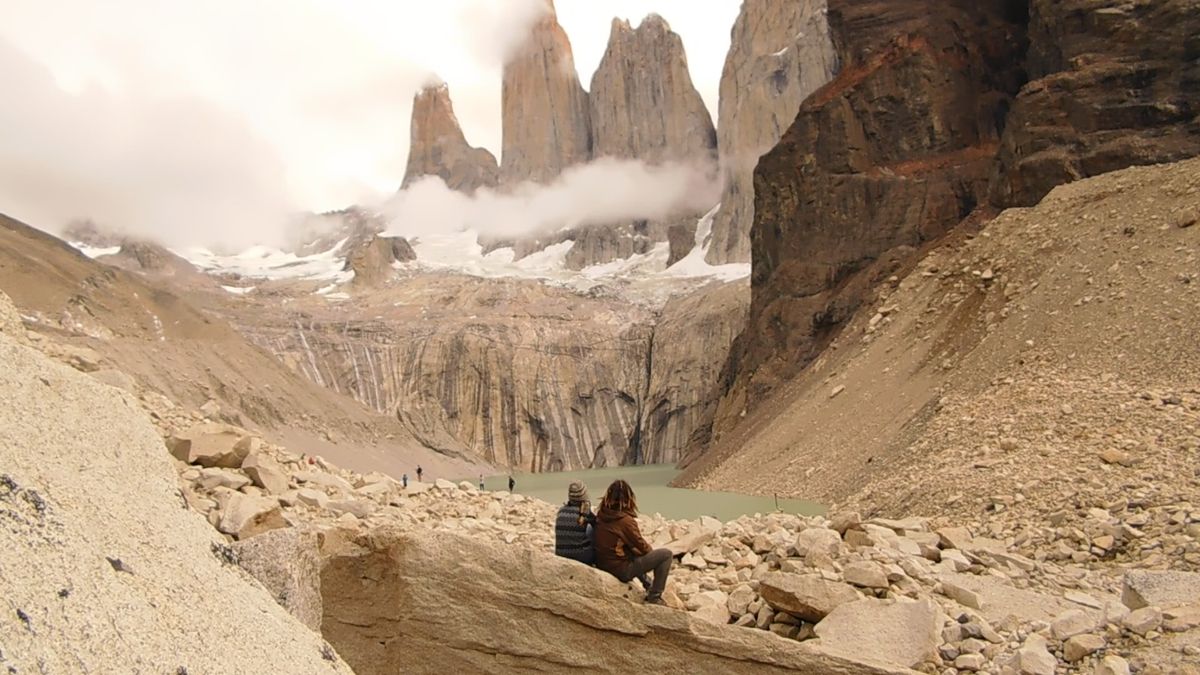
{"type": "Point", "coordinates": [201, 119]}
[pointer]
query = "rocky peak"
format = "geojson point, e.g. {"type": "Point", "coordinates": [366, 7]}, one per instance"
{"type": "Point", "coordinates": [439, 148]}
{"type": "Point", "coordinates": [643, 103]}
{"type": "Point", "coordinates": [546, 120]}
{"type": "Point", "coordinates": [780, 53]}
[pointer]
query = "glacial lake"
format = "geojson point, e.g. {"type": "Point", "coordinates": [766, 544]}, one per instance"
{"type": "Point", "coordinates": [653, 493]}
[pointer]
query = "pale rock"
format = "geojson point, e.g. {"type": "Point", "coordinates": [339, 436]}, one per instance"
{"type": "Point", "coordinates": [955, 560]}
{"type": "Point", "coordinates": [360, 509]}
{"type": "Point", "coordinates": [962, 595]}
{"type": "Point", "coordinates": [1180, 619]}
{"type": "Point", "coordinates": [245, 516]}
{"type": "Point", "coordinates": [970, 662]}
{"type": "Point", "coordinates": [213, 477]}
{"type": "Point", "coordinates": [904, 632]}
{"type": "Point", "coordinates": [1112, 664]}
{"type": "Point", "coordinates": [818, 539]}
{"type": "Point", "coordinates": [711, 606]}
{"type": "Point", "coordinates": [443, 484]}
{"type": "Point", "coordinates": [212, 444]}
{"type": "Point", "coordinates": [288, 564]}
{"type": "Point", "coordinates": [1165, 589]}
{"type": "Point", "coordinates": [266, 473]}
{"type": "Point", "coordinates": [1071, 623]}
{"type": "Point", "coordinates": [1034, 658]}
{"type": "Point", "coordinates": [325, 480]}
{"type": "Point", "coordinates": [845, 520]}
{"type": "Point", "coordinates": [381, 489]}
{"type": "Point", "coordinates": [865, 575]}
{"type": "Point", "coordinates": [740, 599]}
{"type": "Point", "coordinates": [807, 597]}
{"type": "Point", "coordinates": [1080, 647]}
{"type": "Point", "coordinates": [955, 537]}
{"type": "Point", "coordinates": [1142, 621]}
{"type": "Point", "coordinates": [313, 498]}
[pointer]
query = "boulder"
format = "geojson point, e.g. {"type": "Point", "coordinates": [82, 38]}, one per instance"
{"type": "Point", "coordinates": [691, 541]}
{"type": "Point", "coordinates": [809, 598]}
{"type": "Point", "coordinates": [313, 498]}
{"type": "Point", "coordinates": [211, 478]}
{"type": "Point", "coordinates": [1142, 621]}
{"type": "Point", "coordinates": [1034, 658]}
{"type": "Point", "coordinates": [711, 606]}
{"type": "Point", "coordinates": [1112, 665]}
{"type": "Point", "coordinates": [443, 484]}
{"type": "Point", "coordinates": [360, 508]}
{"type": "Point", "coordinates": [865, 575]}
{"type": "Point", "coordinates": [1082, 646]}
{"type": "Point", "coordinates": [325, 480]}
{"type": "Point", "coordinates": [212, 444]}
{"type": "Point", "coordinates": [818, 539]}
{"type": "Point", "coordinates": [171, 602]}
{"type": "Point", "coordinates": [1071, 623]}
{"type": "Point", "coordinates": [904, 633]}
{"type": "Point", "coordinates": [1145, 588]}
{"type": "Point", "coordinates": [287, 563]}
{"type": "Point", "coordinates": [266, 473]}
{"type": "Point", "coordinates": [468, 604]}
{"type": "Point", "coordinates": [246, 515]}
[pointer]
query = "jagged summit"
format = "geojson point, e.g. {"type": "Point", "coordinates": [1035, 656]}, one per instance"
{"type": "Point", "coordinates": [643, 103]}
{"type": "Point", "coordinates": [438, 146]}
{"type": "Point", "coordinates": [546, 120]}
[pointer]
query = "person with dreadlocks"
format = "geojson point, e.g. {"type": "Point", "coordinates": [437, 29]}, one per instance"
{"type": "Point", "coordinates": [620, 549]}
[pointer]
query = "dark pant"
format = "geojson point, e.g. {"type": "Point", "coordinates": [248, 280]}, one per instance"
{"type": "Point", "coordinates": [658, 560]}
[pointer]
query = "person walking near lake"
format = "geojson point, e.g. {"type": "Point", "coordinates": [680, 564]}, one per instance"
{"type": "Point", "coordinates": [511, 483]}
{"type": "Point", "coordinates": [481, 488]}
{"type": "Point", "coordinates": [419, 472]}
{"type": "Point", "coordinates": [620, 549]}
{"type": "Point", "coordinates": [574, 526]}
{"type": "Point", "coordinates": [404, 480]}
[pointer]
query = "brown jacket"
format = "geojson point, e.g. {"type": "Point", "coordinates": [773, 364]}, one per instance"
{"type": "Point", "coordinates": [618, 541]}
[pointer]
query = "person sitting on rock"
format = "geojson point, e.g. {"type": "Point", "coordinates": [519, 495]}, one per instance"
{"type": "Point", "coordinates": [574, 527]}
{"type": "Point", "coordinates": [620, 549]}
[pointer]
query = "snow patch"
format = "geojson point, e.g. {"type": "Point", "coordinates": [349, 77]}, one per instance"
{"type": "Point", "coordinates": [264, 262]}
{"type": "Point", "coordinates": [237, 290]}
{"type": "Point", "coordinates": [94, 252]}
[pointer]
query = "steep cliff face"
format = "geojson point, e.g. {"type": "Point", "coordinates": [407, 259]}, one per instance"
{"type": "Point", "coordinates": [1114, 84]}
{"type": "Point", "coordinates": [546, 116]}
{"type": "Point", "coordinates": [439, 148]}
{"type": "Point", "coordinates": [643, 103]}
{"type": "Point", "coordinates": [780, 53]}
{"type": "Point", "coordinates": [893, 152]}
{"type": "Point", "coordinates": [924, 126]}
{"type": "Point", "coordinates": [522, 374]}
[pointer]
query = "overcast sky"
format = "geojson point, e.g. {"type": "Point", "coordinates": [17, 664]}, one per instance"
{"type": "Point", "coordinates": [209, 113]}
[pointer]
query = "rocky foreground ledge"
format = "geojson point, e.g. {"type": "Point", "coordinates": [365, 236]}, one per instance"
{"type": "Point", "coordinates": [114, 562]}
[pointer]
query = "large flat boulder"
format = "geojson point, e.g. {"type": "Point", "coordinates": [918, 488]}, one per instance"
{"type": "Point", "coordinates": [104, 570]}
{"type": "Point", "coordinates": [903, 632]}
{"type": "Point", "coordinates": [471, 605]}
{"type": "Point", "coordinates": [1163, 589]}
{"type": "Point", "coordinates": [805, 596]}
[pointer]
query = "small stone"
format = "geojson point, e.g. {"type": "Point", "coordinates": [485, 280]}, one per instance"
{"type": "Point", "coordinates": [1114, 456]}
{"type": "Point", "coordinates": [837, 391]}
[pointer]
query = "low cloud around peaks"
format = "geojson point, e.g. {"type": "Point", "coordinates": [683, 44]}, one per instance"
{"type": "Point", "coordinates": [603, 191]}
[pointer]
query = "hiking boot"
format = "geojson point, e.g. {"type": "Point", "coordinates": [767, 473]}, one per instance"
{"type": "Point", "coordinates": [655, 600]}
{"type": "Point", "coordinates": [644, 580]}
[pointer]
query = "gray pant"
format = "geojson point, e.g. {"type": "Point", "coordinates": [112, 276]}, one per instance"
{"type": "Point", "coordinates": [658, 560]}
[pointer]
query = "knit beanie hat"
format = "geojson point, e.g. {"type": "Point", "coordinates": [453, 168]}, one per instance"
{"type": "Point", "coordinates": [577, 492]}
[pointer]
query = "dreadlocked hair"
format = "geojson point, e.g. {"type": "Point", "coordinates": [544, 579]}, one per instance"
{"type": "Point", "coordinates": [620, 497]}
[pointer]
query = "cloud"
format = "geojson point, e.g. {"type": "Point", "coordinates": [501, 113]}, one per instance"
{"type": "Point", "coordinates": [177, 169]}
{"type": "Point", "coordinates": [603, 191]}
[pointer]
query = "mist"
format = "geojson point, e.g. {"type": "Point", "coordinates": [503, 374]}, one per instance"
{"type": "Point", "coordinates": [603, 191]}
{"type": "Point", "coordinates": [177, 170]}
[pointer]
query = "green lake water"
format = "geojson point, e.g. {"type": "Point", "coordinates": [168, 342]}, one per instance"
{"type": "Point", "coordinates": [653, 493]}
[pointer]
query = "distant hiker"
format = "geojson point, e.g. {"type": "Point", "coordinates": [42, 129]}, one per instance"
{"type": "Point", "coordinates": [620, 549]}
{"type": "Point", "coordinates": [574, 527]}
{"type": "Point", "coordinates": [419, 472]}
{"type": "Point", "coordinates": [481, 482]}
{"type": "Point", "coordinates": [511, 483]}
{"type": "Point", "coordinates": [404, 480]}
